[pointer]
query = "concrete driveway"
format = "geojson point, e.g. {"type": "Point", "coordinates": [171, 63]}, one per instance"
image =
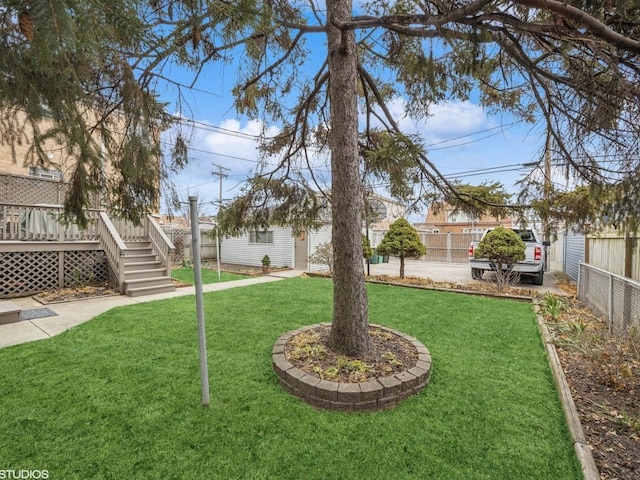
{"type": "Point", "coordinates": [450, 272]}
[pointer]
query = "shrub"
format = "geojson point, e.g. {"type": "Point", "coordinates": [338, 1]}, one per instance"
{"type": "Point", "coordinates": [503, 248]}
{"type": "Point", "coordinates": [323, 255]}
{"type": "Point", "coordinates": [401, 241]}
{"type": "Point", "coordinates": [367, 251]}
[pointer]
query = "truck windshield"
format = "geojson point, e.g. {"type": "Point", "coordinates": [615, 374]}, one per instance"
{"type": "Point", "coordinates": [525, 235]}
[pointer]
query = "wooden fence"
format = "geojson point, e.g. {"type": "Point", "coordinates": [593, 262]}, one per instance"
{"type": "Point", "coordinates": [181, 239]}
{"type": "Point", "coordinates": [617, 254]}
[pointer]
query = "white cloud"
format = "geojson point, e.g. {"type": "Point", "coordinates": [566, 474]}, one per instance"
{"type": "Point", "coordinates": [232, 144]}
{"type": "Point", "coordinates": [446, 121]}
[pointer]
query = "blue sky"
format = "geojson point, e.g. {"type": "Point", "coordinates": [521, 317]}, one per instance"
{"type": "Point", "coordinates": [463, 140]}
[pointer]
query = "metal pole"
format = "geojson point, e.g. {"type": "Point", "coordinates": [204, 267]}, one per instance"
{"type": "Point", "coordinates": [546, 237]}
{"type": "Point", "coordinates": [218, 249]}
{"type": "Point", "coordinates": [218, 226]}
{"type": "Point", "coordinates": [197, 270]}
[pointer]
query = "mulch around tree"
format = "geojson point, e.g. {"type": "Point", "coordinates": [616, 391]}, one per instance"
{"type": "Point", "coordinates": [389, 354]}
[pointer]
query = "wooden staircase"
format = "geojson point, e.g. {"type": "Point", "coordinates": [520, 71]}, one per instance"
{"type": "Point", "coordinates": [143, 272]}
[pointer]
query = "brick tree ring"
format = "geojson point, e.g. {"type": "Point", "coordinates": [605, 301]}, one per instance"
{"type": "Point", "coordinates": [375, 394]}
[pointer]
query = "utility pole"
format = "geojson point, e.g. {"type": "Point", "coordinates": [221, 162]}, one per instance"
{"type": "Point", "coordinates": [220, 176]}
{"type": "Point", "coordinates": [546, 194]}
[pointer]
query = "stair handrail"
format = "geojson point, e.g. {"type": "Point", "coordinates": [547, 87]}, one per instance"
{"type": "Point", "coordinates": [113, 246]}
{"type": "Point", "coordinates": [162, 246]}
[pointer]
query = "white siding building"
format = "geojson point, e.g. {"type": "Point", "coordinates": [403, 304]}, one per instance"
{"type": "Point", "coordinates": [285, 250]}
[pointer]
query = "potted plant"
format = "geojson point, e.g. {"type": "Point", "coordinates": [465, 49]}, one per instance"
{"type": "Point", "coordinates": [266, 264]}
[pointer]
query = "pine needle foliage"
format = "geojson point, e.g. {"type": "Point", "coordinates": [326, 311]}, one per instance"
{"type": "Point", "coordinates": [401, 241]}
{"type": "Point", "coordinates": [68, 79]}
{"type": "Point", "coordinates": [503, 248]}
{"type": "Point", "coordinates": [570, 68]}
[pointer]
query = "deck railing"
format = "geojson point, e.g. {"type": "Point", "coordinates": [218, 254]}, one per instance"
{"type": "Point", "coordinates": [114, 247]}
{"type": "Point", "coordinates": [130, 232]}
{"type": "Point", "coordinates": [162, 246]}
{"type": "Point", "coordinates": [42, 223]}
{"type": "Point", "coordinates": [23, 227]}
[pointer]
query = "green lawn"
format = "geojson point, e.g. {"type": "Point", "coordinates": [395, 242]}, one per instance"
{"type": "Point", "coordinates": [186, 275]}
{"type": "Point", "coordinates": [119, 397]}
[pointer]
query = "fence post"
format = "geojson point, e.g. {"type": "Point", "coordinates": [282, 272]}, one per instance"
{"type": "Point", "coordinates": [610, 312]}
{"type": "Point", "coordinates": [61, 269]}
{"type": "Point", "coordinates": [586, 242]}
{"type": "Point", "coordinates": [629, 248]}
{"type": "Point", "coordinates": [448, 247]}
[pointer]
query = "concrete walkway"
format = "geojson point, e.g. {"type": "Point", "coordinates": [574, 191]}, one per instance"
{"type": "Point", "coordinates": [459, 273]}
{"type": "Point", "coordinates": [70, 314]}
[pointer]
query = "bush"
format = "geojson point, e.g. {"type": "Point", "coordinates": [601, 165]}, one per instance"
{"type": "Point", "coordinates": [503, 248]}
{"type": "Point", "coordinates": [323, 255]}
{"type": "Point", "coordinates": [367, 251]}
{"type": "Point", "coordinates": [401, 241]}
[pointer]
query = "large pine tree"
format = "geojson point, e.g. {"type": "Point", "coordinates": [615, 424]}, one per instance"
{"type": "Point", "coordinates": [571, 65]}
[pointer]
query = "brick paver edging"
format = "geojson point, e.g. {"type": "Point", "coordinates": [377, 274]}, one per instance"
{"type": "Point", "coordinates": [371, 396]}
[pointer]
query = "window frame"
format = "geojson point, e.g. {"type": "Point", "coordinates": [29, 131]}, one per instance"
{"type": "Point", "coordinates": [261, 237]}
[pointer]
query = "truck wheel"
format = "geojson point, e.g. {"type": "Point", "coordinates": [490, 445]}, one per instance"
{"type": "Point", "coordinates": [476, 273]}
{"type": "Point", "coordinates": [537, 280]}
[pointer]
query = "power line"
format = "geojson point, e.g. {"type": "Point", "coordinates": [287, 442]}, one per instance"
{"type": "Point", "coordinates": [216, 129]}
{"type": "Point", "coordinates": [509, 125]}
{"type": "Point", "coordinates": [169, 144]}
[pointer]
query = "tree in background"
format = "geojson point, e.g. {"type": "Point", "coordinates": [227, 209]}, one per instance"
{"type": "Point", "coordinates": [503, 248]}
{"type": "Point", "coordinates": [367, 251]}
{"type": "Point", "coordinates": [572, 67]}
{"type": "Point", "coordinates": [401, 241]}
{"type": "Point", "coordinates": [323, 255]}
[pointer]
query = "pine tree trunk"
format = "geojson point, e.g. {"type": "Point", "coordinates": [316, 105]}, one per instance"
{"type": "Point", "coordinates": [350, 326]}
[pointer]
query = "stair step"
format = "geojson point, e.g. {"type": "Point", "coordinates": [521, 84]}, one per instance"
{"type": "Point", "coordinates": [135, 245]}
{"type": "Point", "coordinates": [139, 251]}
{"type": "Point", "coordinates": [140, 291]}
{"type": "Point", "coordinates": [145, 273]}
{"type": "Point", "coordinates": [147, 282]}
{"type": "Point", "coordinates": [131, 266]}
{"type": "Point", "coordinates": [142, 257]}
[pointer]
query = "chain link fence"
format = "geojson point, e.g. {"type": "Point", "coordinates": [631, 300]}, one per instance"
{"type": "Point", "coordinates": [616, 298]}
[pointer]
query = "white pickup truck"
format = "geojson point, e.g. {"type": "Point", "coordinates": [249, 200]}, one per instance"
{"type": "Point", "coordinates": [532, 266]}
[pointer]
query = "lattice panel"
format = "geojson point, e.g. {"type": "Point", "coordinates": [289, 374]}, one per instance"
{"type": "Point", "coordinates": [26, 190]}
{"type": "Point", "coordinates": [113, 277]}
{"type": "Point", "coordinates": [177, 237]}
{"type": "Point", "coordinates": [27, 273]}
{"type": "Point", "coordinates": [85, 268]}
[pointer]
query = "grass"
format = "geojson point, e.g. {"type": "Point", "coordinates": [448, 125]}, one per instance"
{"type": "Point", "coordinates": [119, 397]}
{"type": "Point", "coordinates": [186, 275]}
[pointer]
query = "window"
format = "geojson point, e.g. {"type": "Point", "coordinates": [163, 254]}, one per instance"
{"type": "Point", "coordinates": [44, 173]}
{"type": "Point", "coordinates": [378, 210]}
{"type": "Point", "coordinates": [261, 237]}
